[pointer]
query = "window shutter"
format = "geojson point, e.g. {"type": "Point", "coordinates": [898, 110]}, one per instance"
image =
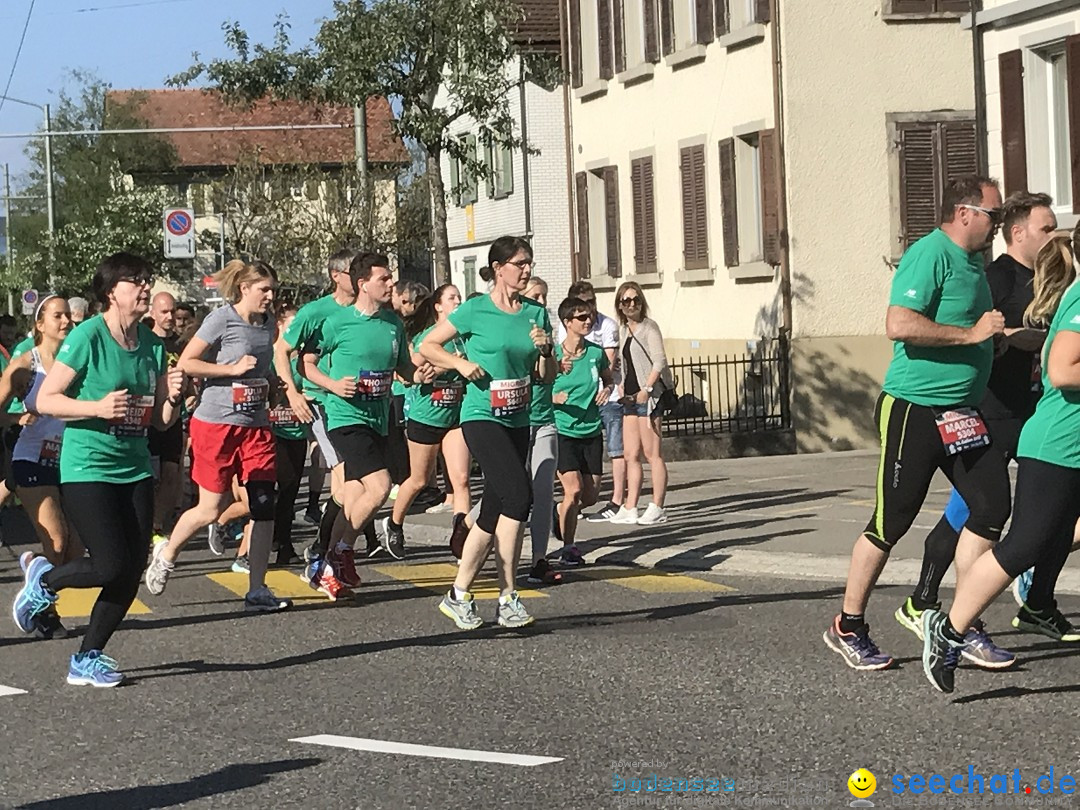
{"type": "Point", "coordinates": [1013, 133]}
{"type": "Point", "coordinates": [703, 13]}
{"type": "Point", "coordinates": [762, 12]}
{"type": "Point", "coordinates": [492, 171]}
{"type": "Point", "coordinates": [620, 35]}
{"type": "Point", "coordinates": [611, 220]}
{"type": "Point", "coordinates": [1072, 71]}
{"type": "Point", "coordinates": [471, 180]}
{"type": "Point", "coordinates": [507, 178]}
{"type": "Point", "coordinates": [581, 183]}
{"type": "Point", "coordinates": [954, 6]}
{"type": "Point", "coordinates": [455, 181]}
{"type": "Point", "coordinates": [603, 27]}
{"type": "Point", "coordinates": [723, 17]}
{"type": "Point", "coordinates": [729, 212]}
{"type": "Point", "coordinates": [770, 197]}
{"type": "Point", "coordinates": [576, 79]}
{"type": "Point", "coordinates": [667, 27]}
{"type": "Point", "coordinates": [641, 183]}
{"type": "Point", "coordinates": [651, 24]}
{"type": "Point", "coordinates": [919, 187]}
{"type": "Point", "coordinates": [695, 219]}
{"type": "Point", "coordinates": [913, 6]}
{"type": "Point", "coordinates": [958, 148]}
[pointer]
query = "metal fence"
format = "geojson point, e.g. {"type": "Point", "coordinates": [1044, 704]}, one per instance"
{"type": "Point", "coordinates": [732, 393]}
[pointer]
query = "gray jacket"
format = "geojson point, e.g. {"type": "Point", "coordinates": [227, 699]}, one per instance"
{"type": "Point", "coordinates": [647, 354]}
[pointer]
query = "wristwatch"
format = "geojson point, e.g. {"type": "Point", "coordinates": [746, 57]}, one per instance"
{"type": "Point", "coordinates": [648, 389]}
{"type": "Point", "coordinates": [547, 350]}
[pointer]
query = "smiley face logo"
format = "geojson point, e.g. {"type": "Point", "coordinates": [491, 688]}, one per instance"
{"type": "Point", "coordinates": [862, 784]}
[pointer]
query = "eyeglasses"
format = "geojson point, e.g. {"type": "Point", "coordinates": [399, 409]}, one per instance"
{"type": "Point", "coordinates": [139, 280]}
{"type": "Point", "coordinates": [995, 215]}
{"type": "Point", "coordinates": [630, 301]}
{"type": "Point", "coordinates": [521, 265]}
{"type": "Point", "coordinates": [583, 317]}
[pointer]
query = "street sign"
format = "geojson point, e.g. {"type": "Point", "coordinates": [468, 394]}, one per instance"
{"type": "Point", "coordinates": [29, 301]}
{"type": "Point", "coordinates": [179, 228]}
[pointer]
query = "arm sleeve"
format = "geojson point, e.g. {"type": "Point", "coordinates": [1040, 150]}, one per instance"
{"type": "Point", "coordinates": [462, 318]}
{"type": "Point", "coordinates": [655, 343]}
{"type": "Point", "coordinates": [213, 327]}
{"type": "Point", "coordinates": [918, 280]}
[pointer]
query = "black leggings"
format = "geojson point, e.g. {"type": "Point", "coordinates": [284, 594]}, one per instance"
{"type": "Point", "coordinates": [911, 452]}
{"type": "Point", "coordinates": [397, 445]}
{"type": "Point", "coordinates": [501, 452]}
{"type": "Point", "coordinates": [114, 522]}
{"type": "Point", "coordinates": [291, 454]}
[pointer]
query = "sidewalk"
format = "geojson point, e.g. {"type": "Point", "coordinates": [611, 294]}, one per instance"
{"type": "Point", "coordinates": [787, 516]}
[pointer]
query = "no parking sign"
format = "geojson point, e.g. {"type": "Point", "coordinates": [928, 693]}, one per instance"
{"type": "Point", "coordinates": [29, 301]}
{"type": "Point", "coordinates": [179, 227]}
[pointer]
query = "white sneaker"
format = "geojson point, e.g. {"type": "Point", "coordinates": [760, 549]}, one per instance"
{"type": "Point", "coordinates": [157, 572]}
{"type": "Point", "coordinates": [625, 516]}
{"type": "Point", "coordinates": [653, 514]}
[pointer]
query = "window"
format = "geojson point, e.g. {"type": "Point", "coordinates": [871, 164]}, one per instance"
{"type": "Point", "coordinates": [946, 9]}
{"type": "Point", "coordinates": [641, 192]}
{"type": "Point", "coordinates": [694, 209]}
{"type": "Point", "coordinates": [1046, 123]}
{"type": "Point", "coordinates": [597, 193]}
{"type": "Point", "coordinates": [463, 183]}
{"type": "Point", "coordinates": [468, 265]}
{"type": "Point", "coordinates": [749, 199]}
{"type": "Point", "coordinates": [500, 164]}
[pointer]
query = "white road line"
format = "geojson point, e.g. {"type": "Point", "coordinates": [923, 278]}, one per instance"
{"type": "Point", "coordinates": [10, 690]}
{"type": "Point", "coordinates": [408, 749]}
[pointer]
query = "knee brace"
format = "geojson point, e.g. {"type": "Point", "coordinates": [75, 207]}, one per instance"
{"type": "Point", "coordinates": [260, 499]}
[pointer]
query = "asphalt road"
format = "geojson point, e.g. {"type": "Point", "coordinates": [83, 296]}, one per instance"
{"type": "Point", "coordinates": [628, 672]}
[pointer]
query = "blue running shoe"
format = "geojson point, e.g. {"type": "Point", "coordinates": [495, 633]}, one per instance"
{"type": "Point", "coordinates": [857, 649]}
{"type": "Point", "coordinates": [981, 650]}
{"type": "Point", "coordinates": [94, 668]}
{"type": "Point", "coordinates": [1021, 586]}
{"type": "Point", "coordinates": [32, 597]}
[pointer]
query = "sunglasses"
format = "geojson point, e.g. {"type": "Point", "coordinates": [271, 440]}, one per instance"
{"type": "Point", "coordinates": [583, 317]}
{"type": "Point", "coordinates": [630, 301]}
{"type": "Point", "coordinates": [995, 215]}
{"type": "Point", "coordinates": [139, 280]}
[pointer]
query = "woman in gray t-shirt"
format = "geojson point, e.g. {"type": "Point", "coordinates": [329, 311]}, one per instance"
{"type": "Point", "coordinates": [232, 354]}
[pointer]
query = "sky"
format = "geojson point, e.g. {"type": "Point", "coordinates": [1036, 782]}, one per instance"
{"type": "Point", "coordinates": [130, 44]}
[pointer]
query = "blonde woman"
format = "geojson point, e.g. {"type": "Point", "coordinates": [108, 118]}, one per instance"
{"type": "Point", "coordinates": [230, 429]}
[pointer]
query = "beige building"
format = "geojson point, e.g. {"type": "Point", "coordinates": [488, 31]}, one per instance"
{"type": "Point", "coordinates": [742, 159]}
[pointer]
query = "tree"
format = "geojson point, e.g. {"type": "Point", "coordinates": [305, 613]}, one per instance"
{"type": "Point", "coordinates": [439, 61]}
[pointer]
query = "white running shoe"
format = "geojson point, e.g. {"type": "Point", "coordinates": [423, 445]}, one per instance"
{"type": "Point", "coordinates": [157, 573]}
{"type": "Point", "coordinates": [627, 517]}
{"type": "Point", "coordinates": [215, 538]}
{"type": "Point", "coordinates": [653, 514]}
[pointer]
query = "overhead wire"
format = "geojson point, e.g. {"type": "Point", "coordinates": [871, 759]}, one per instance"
{"type": "Point", "coordinates": [18, 53]}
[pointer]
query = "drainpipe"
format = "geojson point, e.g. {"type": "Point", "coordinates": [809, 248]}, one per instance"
{"type": "Point", "coordinates": [786, 330]}
{"type": "Point", "coordinates": [982, 160]}
{"type": "Point", "coordinates": [525, 154]}
{"type": "Point", "coordinates": [568, 135]}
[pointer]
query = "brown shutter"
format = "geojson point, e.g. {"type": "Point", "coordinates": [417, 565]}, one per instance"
{"type": "Point", "coordinates": [770, 197]}
{"type": "Point", "coordinates": [703, 13]}
{"type": "Point", "coordinates": [729, 212]}
{"type": "Point", "coordinates": [762, 12]}
{"type": "Point", "coordinates": [641, 184]}
{"type": "Point", "coordinates": [912, 6]}
{"type": "Point", "coordinates": [695, 212]}
{"type": "Point", "coordinates": [576, 79]}
{"type": "Point", "coordinates": [686, 183]}
{"type": "Point", "coordinates": [1072, 73]}
{"type": "Point", "coordinates": [617, 24]}
{"type": "Point", "coordinates": [1013, 133]}
{"type": "Point", "coordinates": [919, 187]}
{"type": "Point", "coordinates": [603, 38]}
{"type": "Point", "coordinates": [611, 221]}
{"type": "Point", "coordinates": [581, 183]}
{"type": "Point", "coordinates": [954, 6]}
{"type": "Point", "coordinates": [667, 27]}
{"type": "Point", "coordinates": [651, 25]}
{"type": "Point", "coordinates": [723, 17]}
{"type": "Point", "coordinates": [958, 141]}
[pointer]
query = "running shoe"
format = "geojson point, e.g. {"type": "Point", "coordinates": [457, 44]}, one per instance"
{"type": "Point", "coordinates": [94, 668]}
{"type": "Point", "coordinates": [543, 574]}
{"type": "Point", "coordinates": [652, 515]}
{"type": "Point", "coordinates": [393, 539]}
{"type": "Point", "coordinates": [33, 597]}
{"type": "Point", "coordinates": [326, 583]}
{"type": "Point", "coordinates": [373, 546]}
{"type": "Point", "coordinates": [241, 565]}
{"type": "Point", "coordinates": [157, 572]}
{"type": "Point", "coordinates": [458, 533]}
{"type": "Point", "coordinates": [1050, 623]}
{"type": "Point", "coordinates": [1021, 586]}
{"type": "Point", "coordinates": [343, 561]}
{"type": "Point", "coordinates": [47, 625]}
{"type": "Point", "coordinates": [604, 515]}
{"type": "Point", "coordinates": [911, 618]}
{"type": "Point", "coordinates": [462, 611]}
{"type": "Point", "coordinates": [439, 509]}
{"type": "Point", "coordinates": [216, 539]}
{"type": "Point", "coordinates": [512, 613]}
{"type": "Point", "coordinates": [858, 650]}
{"type": "Point", "coordinates": [940, 655]}
{"type": "Point", "coordinates": [24, 560]}
{"type": "Point", "coordinates": [572, 556]}
{"type": "Point", "coordinates": [981, 650]}
{"type": "Point", "coordinates": [313, 516]}
{"type": "Point", "coordinates": [625, 517]}
{"type": "Point", "coordinates": [263, 600]}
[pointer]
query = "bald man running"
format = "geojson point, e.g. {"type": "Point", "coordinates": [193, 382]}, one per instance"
{"type": "Point", "coordinates": [166, 446]}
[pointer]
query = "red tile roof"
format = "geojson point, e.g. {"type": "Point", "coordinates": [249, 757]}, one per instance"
{"type": "Point", "coordinates": [540, 26]}
{"type": "Point", "coordinates": [206, 108]}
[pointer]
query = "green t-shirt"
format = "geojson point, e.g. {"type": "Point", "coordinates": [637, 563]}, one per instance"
{"type": "Point", "coordinates": [22, 347]}
{"type": "Point", "coordinates": [942, 281]}
{"type": "Point", "coordinates": [94, 449]}
{"type": "Point", "coordinates": [305, 331]}
{"type": "Point", "coordinates": [1050, 435]}
{"type": "Point", "coordinates": [541, 411]}
{"type": "Point", "coordinates": [282, 419]}
{"type": "Point", "coordinates": [438, 404]}
{"type": "Point", "coordinates": [499, 343]}
{"type": "Point", "coordinates": [369, 348]}
{"type": "Point", "coordinates": [579, 416]}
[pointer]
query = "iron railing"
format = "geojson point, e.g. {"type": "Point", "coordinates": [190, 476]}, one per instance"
{"type": "Point", "coordinates": [732, 393]}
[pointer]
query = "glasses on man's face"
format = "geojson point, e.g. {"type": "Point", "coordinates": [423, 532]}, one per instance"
{"type": "Point", "coordinates": [630, 301]}
{"type": "Point", "coordinates": [584, 317]}
{"type": "Point", "coordinates": [139, 280]}
{"type": "Point", "coordinates": [995, 215]}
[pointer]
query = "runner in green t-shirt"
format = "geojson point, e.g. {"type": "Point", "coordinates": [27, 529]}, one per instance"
{"type": "Point", "coordinates": [507, 342]}
{"type": "Point", "coordinates": [109, 383]}
{"type": "Point", "coordinates": [577, 398]}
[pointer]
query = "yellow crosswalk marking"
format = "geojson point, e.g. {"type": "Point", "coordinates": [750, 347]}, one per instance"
{"type": "Point", "coordinates": [282, 583]}
{"type": "Point", "coordinates": [653, 581]}
{"type": "Point", "coordinates": [438, 577]}
{"type": "Point", "coordinates": [78, 602]}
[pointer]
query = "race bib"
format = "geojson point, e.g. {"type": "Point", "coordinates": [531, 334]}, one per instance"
{"type": "Point", "coordinates": [961, 429]}
{"type": "Point", "coordinates": [283, 416]}
{"type": "Point", "coordinates": [509, 397]}
{"type": "Point", "coordinates": [249, 396]}
{"type": "Point", "coordinates": [447, 394]}
{"type": "Point", "coordinates": [49, 456]}
{"type": "Point", "coordinates": [136, 421]}
{"type": "Point", "coordinates": [373, 385]}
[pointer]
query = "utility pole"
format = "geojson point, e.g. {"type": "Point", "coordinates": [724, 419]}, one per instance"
{"type": "Point", "coordinates": [49, 178]}
{"type": "Point", "coordinates": [9, 251]}
{"type": "Point", "coordinates": [360, 136]}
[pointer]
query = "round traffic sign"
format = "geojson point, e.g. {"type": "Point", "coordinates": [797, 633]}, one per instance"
{"type": "Point", "coordinates": [30, 297]}
{"type": "Point", "coordinates": [178, 223]}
